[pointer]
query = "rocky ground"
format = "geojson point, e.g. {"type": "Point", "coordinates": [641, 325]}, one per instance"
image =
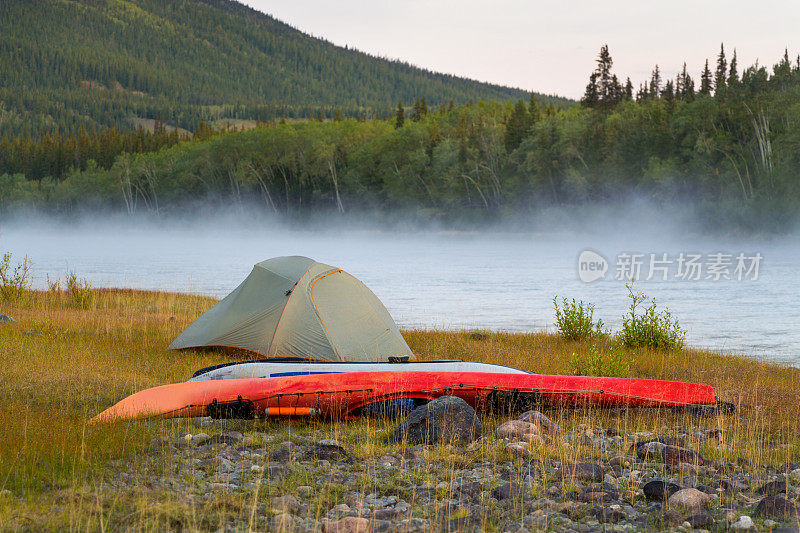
{"type": "Point", "coordinates": [430, 475]}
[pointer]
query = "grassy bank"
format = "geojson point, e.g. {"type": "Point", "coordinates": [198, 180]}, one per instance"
{"type": "Point", "coordinates": [64, 363]}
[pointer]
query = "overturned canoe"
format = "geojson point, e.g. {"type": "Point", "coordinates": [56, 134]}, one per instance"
{"type": "Point", "coordinates": [357, 393]}
{"type": "Point", "coordinates": [282, 368]}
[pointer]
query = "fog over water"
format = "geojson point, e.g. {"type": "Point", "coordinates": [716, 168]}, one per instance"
{"type": "Point", "coordinates": [443, 279]}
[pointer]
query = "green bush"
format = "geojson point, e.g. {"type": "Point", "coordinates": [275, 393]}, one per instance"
{"type": "Point", "coordinates": [611, 362]}
{"type": "Point", "coordinates": [651, 329]}
{"type": "Point", "coordinates": [79, 290]}
{"type": "Point", "coordinates": [575, 320]}
{"type": "Point", "coordinates": [15, 280]}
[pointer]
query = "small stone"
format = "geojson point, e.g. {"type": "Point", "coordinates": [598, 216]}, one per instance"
{"type": "Point", "coordinates": [388, 460]}
{"type": "Point", "coordinates": [672, 518]}
{"type": "Point", "coordinates": [282, 522]}
{"type": "Point", "coordinates": [659, 490]}
{"type": "Point", "coordinates": [286, 503]}
{"type": "Point", "coordinates": [584, 471]}
{"type": "Point", "coordinates": [348, 524]}
{"type": "Point", "coordinates": [744, 523]}
{"type": "Point", "coordinates": [200, 439]}
{"type": "Point", "coordinates": [700, 520]}
{"type": "Point", "coordinates": [507, 490]}
{"type": "Point", "coordinates": [280, 455]}
{"type": "Point", "coordinates": [773, 487]}
{"type": "Point", "coordinates": [328, 449]}
{"type": "Point", "coordinates": [625, 461]}
{"type": "Point", "coordinates": [5, 319]}
{"type": "Point", "coordinates": [225, 439]}
{"type": "Point", "coordinates": [776, 507]}
{"type": "Point", "coordinates": [544, 424]}
{"type": "Point", "coordinates": [690, 499]}
{"type": "Point", "coordinates": [518, 430]}
{"type": "Point", "coordinates": [518, 449]}
{"type": "Point", "coordinates": [33, 332]}
{"type": "Point", "coordinates": [686, 469]}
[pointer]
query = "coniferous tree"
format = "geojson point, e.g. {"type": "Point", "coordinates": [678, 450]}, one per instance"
{"type": "Point", "coordinates": [733, 75]}
{"type": "Point", "coordinates": [721, 73]}
{"type": "Point", "coordinates": [706, 80]}
{"type": "Point", "coordinates": [668, 94]}
{"type": "Point", "coordinates": [533, 110]}
{"type": "Point", "coordinates": [517, 125]}
{"type": "Point", "coordinates": [591, 97]}
{"type": "Point", "coordinates": [628, 90]}
{"type": "Point", "coordinates": [655, 83]}
{"type": "Point", "coordinates": [399, 116]}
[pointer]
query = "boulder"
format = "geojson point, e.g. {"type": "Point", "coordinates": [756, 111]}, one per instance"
{"type": "Point", "coordinates": [328, 449]}
{"type": "Point", "coordinates": [447, 419]}
{"type": "Point", "coordinates": [5, 319]}
{"type": "Point", "coordinates": [744, 523]}
{"type": "Point", "coordinates": [700, 520]}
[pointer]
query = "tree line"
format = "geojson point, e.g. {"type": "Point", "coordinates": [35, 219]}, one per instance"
{"type": "Point", "coordinates": [729, 149]}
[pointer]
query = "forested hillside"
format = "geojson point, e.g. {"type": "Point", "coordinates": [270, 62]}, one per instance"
{"type": "Point", "coordinates": [95, 64]}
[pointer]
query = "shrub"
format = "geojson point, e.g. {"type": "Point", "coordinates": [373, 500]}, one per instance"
{"type": "Point", "coordinates": [611, 362]}
{"type": "Point", "coordinates": [79, 290]}
{"type": "Point", "coordinates": [651, 329]}
{"type": "Point", "coordinates": [575, 320]}
{"type": "Point", "coordinates": [15, 280]}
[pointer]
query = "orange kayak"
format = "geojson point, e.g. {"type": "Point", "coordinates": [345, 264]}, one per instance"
{"type": "Point", "coordinates": [357, 393]}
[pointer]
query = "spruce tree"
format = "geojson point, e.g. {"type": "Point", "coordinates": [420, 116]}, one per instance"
{"type": "Point", "coordinates": [655, 82]}
{"type": "Point", "coordinates": [591, 98]}
{"type": "Point", "coordinates": [733, 75]}
{"type": "Point", "coordinates": [628, 90]}
{"type": "Point", "coordinates": [400, 115]}
{"type": "Point", "coordinates": [705, 80]}
{"type": "Point", "coordinates": [533, 110]}
{"type": "Point", "coordinates": [517, 126]}
{"type": "Point", "coordinates": [721, 72]}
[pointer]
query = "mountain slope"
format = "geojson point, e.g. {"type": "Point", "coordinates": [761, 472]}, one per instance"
{"type": "Point", "coordinates": [65, 64]}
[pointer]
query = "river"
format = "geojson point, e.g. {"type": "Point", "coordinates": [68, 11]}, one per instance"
{"type": "Point", "coordinates": [496, 281]}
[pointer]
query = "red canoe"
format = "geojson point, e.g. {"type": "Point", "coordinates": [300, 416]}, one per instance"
{"type": "Point", "coordinates": [351, 394]}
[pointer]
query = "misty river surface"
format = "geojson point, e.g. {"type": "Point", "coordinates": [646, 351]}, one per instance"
{"type": "Point", "coordinates": [449, 280]}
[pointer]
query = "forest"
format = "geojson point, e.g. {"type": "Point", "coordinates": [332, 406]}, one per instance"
{"type": "Point", "coordinates": [725, 146]}
{"type": "Point", "coordinates": [90, 65]}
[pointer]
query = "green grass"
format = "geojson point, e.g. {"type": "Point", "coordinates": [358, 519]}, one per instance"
{"type": "Point", "coordinates": [92, 354]}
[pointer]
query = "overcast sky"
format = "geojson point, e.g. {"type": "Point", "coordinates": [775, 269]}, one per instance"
{"type": "Point", "coordinates": [549, 46]}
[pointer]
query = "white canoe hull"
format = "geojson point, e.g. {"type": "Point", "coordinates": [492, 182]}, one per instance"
{"type": "Point", "coordinates": [267, 369]}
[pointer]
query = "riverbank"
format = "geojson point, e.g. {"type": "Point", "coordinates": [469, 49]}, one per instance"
{"type": "Point", "coordinates": [64, 361]}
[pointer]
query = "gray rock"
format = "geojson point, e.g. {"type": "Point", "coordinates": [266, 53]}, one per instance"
{"type": "Point", "coordinates": [659, 490]}
{"type": "Point", "coordinates": [5, 319]}
{"type": "Point", "coordinates": [545, 424]}
{"type": "Point", "coordinates": [507, 490]}
{"type": "Point", "coordinates": [447, 419]}
{"type": "Point", "coordinates": [672, 518]}
{"type": "Point", "coordinates": [700, 520]}
{"type": "Point", "coordinates": [776, 507]}
{"type": "Point", "coordinates": [328, 449]}
{"type": "Point", "coordinates": [690, 499]}
{"type": "Point", "coordinates": [584, 471]}
{"type": "Point", "coordinates": [773, 487]}
{"type": "Point", "coordinates": [412, 525]}
{"type": "Point", "coordinates": [744, 523]}
{"type": "Point", "coordinates": [280, 455]}
{"type": "Point", "coordinates": [33, 332]}
{"type": "Point", "coordinates": [288, 504]}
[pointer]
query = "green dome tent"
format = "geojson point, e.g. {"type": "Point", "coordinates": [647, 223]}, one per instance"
{"type": "Point", "coordinates": [296, 307]}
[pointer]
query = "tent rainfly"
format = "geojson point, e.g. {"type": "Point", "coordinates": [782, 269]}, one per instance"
{"type": "Point", "coordinates": [296, 307]}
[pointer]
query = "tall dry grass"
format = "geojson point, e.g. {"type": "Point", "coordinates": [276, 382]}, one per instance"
{"type": "Point", "coordinates": [85, 359]}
